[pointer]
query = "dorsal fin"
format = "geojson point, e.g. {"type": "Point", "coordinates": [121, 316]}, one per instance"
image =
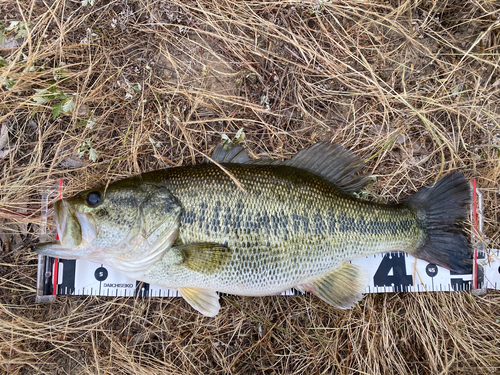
{"type": "Point", "coordinates": [332, 162]}
{"type": "Point", "coordinates": [230, 153]}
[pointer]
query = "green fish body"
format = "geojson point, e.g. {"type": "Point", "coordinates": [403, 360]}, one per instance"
{"type": "Point", "coordinates": [257, 228]}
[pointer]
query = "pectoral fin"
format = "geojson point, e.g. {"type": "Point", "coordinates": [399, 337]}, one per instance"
{"type": "Point", "coordinates": [205, 301]}
{"type": "Point", "coordinates": [342, 287]}
{"type": "Point", "coordinates": [206, 258]}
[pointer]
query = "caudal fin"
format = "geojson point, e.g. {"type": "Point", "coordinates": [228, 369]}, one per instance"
{"type": "Point", "coordinates": [442, 209]}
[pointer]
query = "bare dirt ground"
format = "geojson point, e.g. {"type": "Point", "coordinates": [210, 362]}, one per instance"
{"type": "Point", "coordinates": [92, 93]}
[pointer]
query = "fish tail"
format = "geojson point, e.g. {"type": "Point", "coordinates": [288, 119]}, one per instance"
{"type": "Point", "coordinates": [442, 209]}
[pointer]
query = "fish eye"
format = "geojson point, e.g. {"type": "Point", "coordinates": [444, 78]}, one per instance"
{"type": "Point", "coordinates": [93, 198]}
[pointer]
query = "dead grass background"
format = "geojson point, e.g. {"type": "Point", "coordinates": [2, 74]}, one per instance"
{"type": "Point", "coordinates": [413, 87]}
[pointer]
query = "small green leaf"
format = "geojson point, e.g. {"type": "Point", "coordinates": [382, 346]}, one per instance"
{"type": "Point", "coordinates": [60, 95]}
{"type": "Point", "coordinates": [20, 28]}
{"type": "Point", "coordinates": [240, 136]}
{"type": "Point", "coordinates": [69, 105]}
{"type": "Point", "coordinates": [42, 96]}
{"type": "Point", "coordinates": [93, 155]}
{"type": "Point", "coordinates": [46, 95]}
{"type": "Point", "coordinates": [22, 32]}
{"type": "Point", "coordinates": [3, 38]}
{"type": "Point", "coordinates": [8, 82]}
{"type": "Point", "coordinates": [60, 74]}
{"type": "Point", "coordinates": [91, 123]}
{"type": "Point", "coordinates": [12, 26]}
{"type": "Point", "coordinates": [57, 109]}
{"type": "Point", "coordinates": [3, 62]}
{"type": "Point", "coordinates": [83, 147]}
{"type": "Point", "coordinates": [87, 146]}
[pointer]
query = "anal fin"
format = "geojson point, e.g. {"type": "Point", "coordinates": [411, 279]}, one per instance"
{"type": "Point", "coordinates": [342, 287]}
{"type": "Point", "coordinates": [205, 301]}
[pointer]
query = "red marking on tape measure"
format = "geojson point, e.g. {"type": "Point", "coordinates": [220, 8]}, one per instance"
{"type": "Point", "coordinates": [474, 234]}
{"type": "Point", "coordinates": [56, 260]}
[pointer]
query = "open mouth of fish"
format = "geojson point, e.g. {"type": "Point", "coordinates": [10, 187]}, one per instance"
{"type": "Point", "coordinates": [75, 232]}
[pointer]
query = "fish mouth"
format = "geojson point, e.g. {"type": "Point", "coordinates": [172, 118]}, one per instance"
{"type": "Point", "coordinates": [75, 232]}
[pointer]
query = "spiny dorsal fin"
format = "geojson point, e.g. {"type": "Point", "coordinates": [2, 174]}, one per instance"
{"type": "Point", "coordinates": [332, 162]}
{"type": "Point", "coordinates": [342, 287]}
{"type": "Point", "coordinates": [230, 153]}
{"type": "Point", "coordinates": [205, 301]}
{"type": "Point", "coordinates": [206, 258]}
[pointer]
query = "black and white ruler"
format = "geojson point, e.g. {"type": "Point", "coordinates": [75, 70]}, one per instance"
{"type": "Point", "coordinates": [389, 272]}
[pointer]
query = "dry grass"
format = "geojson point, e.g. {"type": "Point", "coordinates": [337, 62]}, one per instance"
{"type": "Point", "coordinates": [411, 86]}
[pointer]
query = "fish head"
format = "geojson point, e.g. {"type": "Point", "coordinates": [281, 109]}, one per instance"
{"type": "Point", "coordinates": [129, 225]}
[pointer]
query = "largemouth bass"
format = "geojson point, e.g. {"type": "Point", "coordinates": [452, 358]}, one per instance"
{"type": "Point", "coordinates": [283, 224]}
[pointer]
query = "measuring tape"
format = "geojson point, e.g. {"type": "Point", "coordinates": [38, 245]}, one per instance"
{"type": "Point", "coordinates": [389, 272]}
